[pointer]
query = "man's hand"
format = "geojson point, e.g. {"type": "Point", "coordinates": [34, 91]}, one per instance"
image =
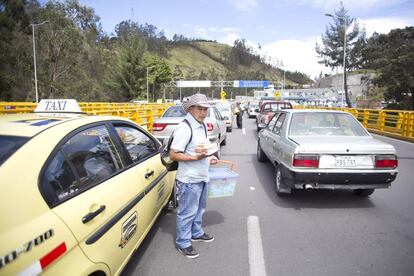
{"type": "Point", "coordinates": [213, 160]}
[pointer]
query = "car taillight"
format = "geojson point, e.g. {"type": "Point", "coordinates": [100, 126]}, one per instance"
{"type": "Point", "coordinates": [158, 126]}
{"type": "Point", "coordinates": [306, 161]}
{"type": "Point", "coordinates": [386, 162]}
{"type": "Point", "coordinates": [210, 127]}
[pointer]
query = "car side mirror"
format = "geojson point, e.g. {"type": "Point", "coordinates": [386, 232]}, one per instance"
{"type": "Point", "coordinates": [225, 118]}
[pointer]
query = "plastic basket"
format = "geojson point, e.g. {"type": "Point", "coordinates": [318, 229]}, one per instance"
{"type": "Point", "coordinates": [222, 182]}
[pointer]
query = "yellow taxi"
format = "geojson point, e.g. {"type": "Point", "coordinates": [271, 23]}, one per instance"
{"type": "Point", "coordinates": [78, 193]}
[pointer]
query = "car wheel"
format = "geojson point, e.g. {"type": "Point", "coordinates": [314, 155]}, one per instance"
{"type": "Point", "coordinates": [280, 186]}
{"type": "Point", "coordinates": [364, 192]}
{"type": "Point", "coordinates": [261, 156]}
{"type": "Point", "coordinates": [229, 129]}
{"type": "Point", "coordinates": [224, 142]}
{"type": "Point", "coordinates": [218, 153]}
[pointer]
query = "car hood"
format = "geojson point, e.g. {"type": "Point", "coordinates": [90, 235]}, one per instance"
{"type": "Point", "coordinates": [342, 145]}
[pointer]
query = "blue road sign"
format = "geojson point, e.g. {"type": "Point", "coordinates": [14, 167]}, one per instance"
{"type": "Point", "coordinates": [251, 83]}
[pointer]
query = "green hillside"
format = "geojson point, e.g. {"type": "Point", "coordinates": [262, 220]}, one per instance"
{"type": "Point", "coordinates": [209, 59]}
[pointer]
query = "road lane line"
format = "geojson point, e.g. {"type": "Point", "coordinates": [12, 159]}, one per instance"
{"type": "Point", "coordinates": [256, 257]}
{"type": "Point", "coordinates": [244, 131]}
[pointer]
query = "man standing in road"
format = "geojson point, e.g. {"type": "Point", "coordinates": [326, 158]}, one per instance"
{"type": "Point", "coordinates": [192, 174]}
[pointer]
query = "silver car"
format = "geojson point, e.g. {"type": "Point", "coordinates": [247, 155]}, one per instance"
{"type": "Point", "coordinates": [216, 126]}
{"type": "Point", "coordinates": [324, 149]}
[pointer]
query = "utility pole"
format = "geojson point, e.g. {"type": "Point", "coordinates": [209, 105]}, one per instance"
{"type": "Point", "coordinates": [34, 56]}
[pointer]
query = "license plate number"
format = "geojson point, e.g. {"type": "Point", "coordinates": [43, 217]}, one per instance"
{"type": "Point", "coordinates": [345, 161]}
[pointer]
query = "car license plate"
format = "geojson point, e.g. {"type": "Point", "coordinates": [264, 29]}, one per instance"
{"type": "Point", "coordinates": [345, 161]}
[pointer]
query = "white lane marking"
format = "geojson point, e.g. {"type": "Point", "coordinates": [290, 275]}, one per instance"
{"type": "Point", "coordinates": [252, 188]}
{"type": "Point", "coordinates": [256, 258]}
{"type": "Point", "coordinates": [244, 131]}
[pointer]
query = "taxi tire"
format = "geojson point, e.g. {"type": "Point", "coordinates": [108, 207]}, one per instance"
{"type": "Point", "coordinates": [224, 142]}
{"type": "Point", "coordinates": [364, 192]}
{"type": "Point", "coordinates": [261, 156]}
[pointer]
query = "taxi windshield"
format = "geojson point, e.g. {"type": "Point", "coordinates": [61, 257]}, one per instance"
{"type": "Point", "coordinates": [9, 144]}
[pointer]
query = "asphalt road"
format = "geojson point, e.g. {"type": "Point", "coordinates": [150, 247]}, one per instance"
{"type": "Point", "coordinates": [308, 233]}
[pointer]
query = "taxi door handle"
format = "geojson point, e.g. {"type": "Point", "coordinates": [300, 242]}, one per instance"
{"type": "Point", "coordinates": [149, 174]}
{"type": "Point", "coordinates": [90, 216]}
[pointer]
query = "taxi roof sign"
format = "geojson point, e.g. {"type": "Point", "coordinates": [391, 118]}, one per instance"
{"type": "Point", "coordinates": [58, 106]}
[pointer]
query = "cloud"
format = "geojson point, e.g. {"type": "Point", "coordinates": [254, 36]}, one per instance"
{"type": "Point", "coordinates": [297, 55]}
{"type": "Point", "coordinates": [244, 5]}
{"type": "Point", "coordinates": [386, 24]}
{"type": "Point", "coordinates": [330, 5]}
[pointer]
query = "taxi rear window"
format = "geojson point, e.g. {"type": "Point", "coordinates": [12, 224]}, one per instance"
{"type": "Point", "coordinates": [9, 144]}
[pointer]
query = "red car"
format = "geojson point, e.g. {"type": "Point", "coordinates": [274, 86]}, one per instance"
{"type": "Point", "coordinates": [268, 109]}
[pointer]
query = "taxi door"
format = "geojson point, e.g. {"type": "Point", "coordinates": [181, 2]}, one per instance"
{"type": "Point", "coordinates": [104, 210]}
{"type": "Point", "coordinates": [156, 181]}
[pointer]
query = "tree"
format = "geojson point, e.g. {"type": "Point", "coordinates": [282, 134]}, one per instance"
{"type": "Point", "coordinates": [332, 48]}
{"type": "Point", "coordinates": [126, 76]}
{"type": "Point", "coordinates": [392, 56]}
{"type": "Point", "coordinates": [160, 74]}
{"type": "Point", "coordinates": [16, 59]}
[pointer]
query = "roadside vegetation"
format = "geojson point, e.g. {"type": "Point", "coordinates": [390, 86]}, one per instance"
{"type": "Point", "coordinates": [77, 59]}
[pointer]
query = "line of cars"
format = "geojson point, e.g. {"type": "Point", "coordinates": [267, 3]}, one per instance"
{"type": "Point", "coordinates": [218, 122]}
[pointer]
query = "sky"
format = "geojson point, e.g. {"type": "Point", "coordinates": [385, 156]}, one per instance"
{"type": "Point", "coordinates": [286, 30]}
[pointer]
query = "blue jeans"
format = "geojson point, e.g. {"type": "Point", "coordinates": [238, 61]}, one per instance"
{"type": "Point", "coordinates": [192, 201]}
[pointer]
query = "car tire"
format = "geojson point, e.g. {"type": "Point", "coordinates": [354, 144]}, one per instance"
{"type": "Point", "coordinates": [229, 129]}
{"type": "Point", "coordinates": [364, 192]}
{"type": "Point", "coordinates": [218, 153]}
{"type": "Point", "coordinates": [280, 187]}
{"type": "Point", "coordinates": [224, 142]}
{"type": "Point", "coordinates": [261, 156]}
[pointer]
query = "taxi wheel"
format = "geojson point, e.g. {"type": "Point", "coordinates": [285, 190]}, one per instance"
{"type": "Point", "coordinates": [261, 157]}
{"type": "Point", "coordinates": [364, 192]}
{"type": "Point", "coordinates": [224, 142]}
{"type": "Point", "coordinates": [218, 153]}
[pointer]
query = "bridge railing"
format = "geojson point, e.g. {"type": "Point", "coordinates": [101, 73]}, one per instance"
{"type": "Point", "coordinates": [143, 114]}
{"type": "Point", "coordinates": [394, 123]}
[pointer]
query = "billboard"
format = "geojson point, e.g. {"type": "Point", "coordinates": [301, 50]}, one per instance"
{"type": "Point", "coordinates": [193, 83]}
{"type": "Point", "coordinates": [251, 83]}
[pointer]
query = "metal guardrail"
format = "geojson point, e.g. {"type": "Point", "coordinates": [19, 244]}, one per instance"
{"type": "Point", "coordinates": [143, 114]}
{"type": "Point", "coordinates": [393, 123]}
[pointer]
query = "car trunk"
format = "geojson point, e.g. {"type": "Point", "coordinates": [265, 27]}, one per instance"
{"type": "Point", "coordinates": [341, 145]}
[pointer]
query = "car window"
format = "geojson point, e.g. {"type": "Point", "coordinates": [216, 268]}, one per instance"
{"type": "Point", "coordinates": [325, 124]}
{"type": "Point", "coordinates": [222, 106]}
{"type": "Point", "coordinates": [174, 111]}
{"type": "Point", "coordinates": [272, 122]}
{"type": "Point", "coordinates": [139, 145]}
{"type": "Point", "coordinates": [9, 145]}
{"type": "Point", "coordinates": [279, 123]}
{"type": "Point", "coordinates": [84, 160]}
{"type": "Point", "coordinates": [218, 115]}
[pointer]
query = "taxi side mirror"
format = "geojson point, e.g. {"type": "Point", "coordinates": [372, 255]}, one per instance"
{"type": "Point", "coordinates": [225, 118]}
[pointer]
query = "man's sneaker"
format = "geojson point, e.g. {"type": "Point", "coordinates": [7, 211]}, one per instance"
{"type": "Point", "coordinates": [204, 238]}
{"type": "Point", "coordinates": [189, 252]}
